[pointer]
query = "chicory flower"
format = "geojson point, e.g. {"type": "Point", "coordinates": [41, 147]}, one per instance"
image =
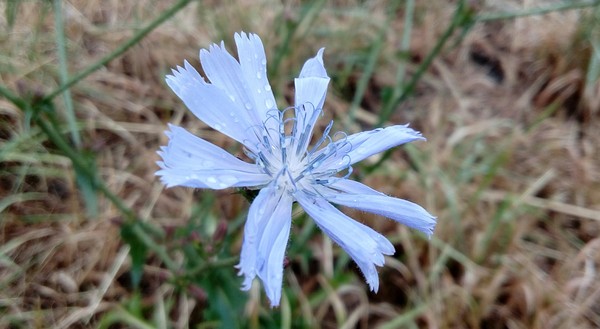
{"type": "Point", "coordinates": [237, 100]}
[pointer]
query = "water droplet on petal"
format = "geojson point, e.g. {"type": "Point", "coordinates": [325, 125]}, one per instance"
{"type": "Point", "coordinates": [258, 75]}
{"type": "Point", "coordinates": [232, 98]}
{"type": "Point", "coordinates": [267, 87]}
{"type": "Point", "coordinates": [263, 61]}
{"type": "Point", "coordinates": [218, 126]}
{"type": "Point", "coordinates": [248, 106]}
{"type": "Point", "coordinates": [211, 180]}
{"type": "Point", "coordinates": [258, 90]}
{"type": "Point", "coordinates": [226, 180]}
{"type": "Point", "coordinates": [268, 103]}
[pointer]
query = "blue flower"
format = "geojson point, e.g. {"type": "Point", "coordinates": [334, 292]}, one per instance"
{"type": "Point", "coordinates": [239, 103]}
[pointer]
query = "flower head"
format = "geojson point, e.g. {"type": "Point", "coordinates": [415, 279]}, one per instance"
{"type": "Point", "coordinates": [239, 103]}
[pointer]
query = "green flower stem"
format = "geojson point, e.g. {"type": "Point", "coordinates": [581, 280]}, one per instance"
{"type": "Point", "coordinates": [120, 50]}
{"type": "Point", "coordinates": [227, 262]}
{"type": "Point", "coordinates": [156, 248]}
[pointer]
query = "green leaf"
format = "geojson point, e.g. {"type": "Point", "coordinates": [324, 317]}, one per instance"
{"type": "Point", "coordinates": [10, 11]}
{"type": "Point", "coordinates": [137, 251]}
{"type": "Point", "coordinates": [227, 301]}
{"type": "Point", "coordinates": [87, 186]}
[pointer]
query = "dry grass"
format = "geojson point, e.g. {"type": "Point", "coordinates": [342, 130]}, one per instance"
{"type": "Point", "coordinates": [511, 167]}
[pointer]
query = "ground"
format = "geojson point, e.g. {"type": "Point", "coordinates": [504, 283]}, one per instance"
{"type": "Point", "coordinates": [509, 107]}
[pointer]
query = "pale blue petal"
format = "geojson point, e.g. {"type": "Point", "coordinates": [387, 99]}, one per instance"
{"type": "Point", "coordinates": [311, 89]}
{"type": "Point", "coordinates": [253, 63]}
{"type": "Point", "coordinates": [263, 205]}
{"type": "Point", "coordinates": [359, 196]}
{"type": "Point", "coordinates": [359, 146]}
{"type": "Point", "coordinates": [266, 234]}
{"type": "Point", "coordinates": [191, 161]}
{"type": "Point", "coordinates": [214, 105]}
{"type": "Point", "coordinates": [314, 67]}
{"type": "Point", "coordinates": [363, 244]}
{"type": "Point", "coordinates": [235, 79]}
{"type": "Point", "coordinates": [271, 250]}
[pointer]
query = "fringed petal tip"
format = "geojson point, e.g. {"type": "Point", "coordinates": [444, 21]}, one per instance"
{"type": "Point", "coordinates": [405, 128]}
{"type": "Point", "coordinates": [183, 72]}
{"type": "Point", "coordinates": [373, 283]}
{"type": "Point", "coordinates": [247, 283]}
{"type": "Point", "coordinates": [244, 36]}
{"type": "Point", "coordinates": [366, 247]}
{"type": "Point", "coordinates": [163, 176]}
{"type": "Point", "coordinates": [429, 228]}
{"type": "Point", "coordinates": [248, 273]}
{"type": "Point", "coordinates": [420, 219]}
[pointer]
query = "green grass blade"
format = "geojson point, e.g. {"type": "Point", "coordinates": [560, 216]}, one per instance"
{"type": "Point", "coordinates": [374, 53]}
{"type": "Point", "coordinates": [121, 49]}
{"type": "Point", "coordinates": [388, 107]}
{"type": "Point", "coordinates": [61, 46]}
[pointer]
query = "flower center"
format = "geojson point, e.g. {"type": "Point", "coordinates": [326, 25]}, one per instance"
{"type": "Point", "coordinates": [283, 151]}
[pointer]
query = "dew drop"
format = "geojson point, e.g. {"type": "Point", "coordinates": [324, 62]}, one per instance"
{"type": "Point", "coordinates": [263, 61]}
{"type": "Point", "coordinates": [258, 75]}
{"type": "Point", "coordinates": [258, 90]}
{"type": "Point", "coordinates": [232, 98]}
{"type": "Point", "coordinates": [248, 106]}
{"type": "Point", "coordinates": [227, 180]}
{"type": "Point", "coordinates": [268, 103]}
{"type": "Point", "coordinates": [267, 87]}
{"type": "Point", "coordinates": [218, 126]}
{"type": "Point", "coordinates": [211, 180]}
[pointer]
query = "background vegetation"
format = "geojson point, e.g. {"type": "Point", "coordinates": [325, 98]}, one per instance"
{"type": "Point", "coordinates": [506, 92]}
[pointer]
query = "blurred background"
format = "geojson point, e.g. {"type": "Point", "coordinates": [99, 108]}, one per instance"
{"type": "Point", "coordinates": [506, 92]}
